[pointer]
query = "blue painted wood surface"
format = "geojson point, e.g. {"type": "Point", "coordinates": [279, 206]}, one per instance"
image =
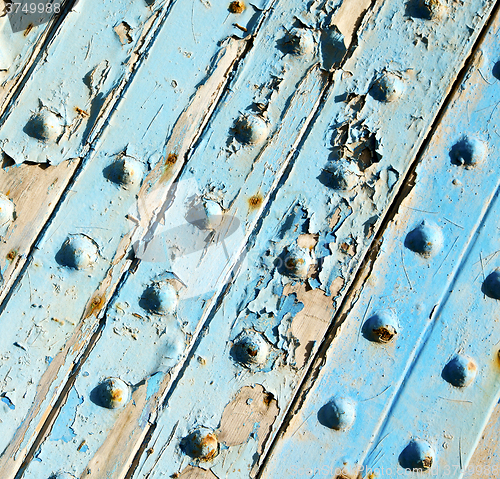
{"type": "Point", "coordinates": [253, 243]}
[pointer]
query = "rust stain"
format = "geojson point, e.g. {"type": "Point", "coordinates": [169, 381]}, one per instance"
{"type": "Point", "coordinates": [236, 7]}
{"type": "Point", "coordinates": [95, 305]}
{"type": "Point", "coordinates": [81, 445]}
{"type": "Point", "coordinates": [28, 29]}
{"type": "Point", "coordinates": [268, 398]}
{"type": "Point", "coordinates": [11, 254]}
{"type": "Point", "coordinates": [81, 112]}
{"type": "Point", "coordinates": [169, 162]}
{"type": "Point", "coordinates": [255, 201]}
{"type": "Point", "coordinates": [171, 159]}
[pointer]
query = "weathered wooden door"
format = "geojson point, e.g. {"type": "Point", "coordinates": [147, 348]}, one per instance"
{"type": "Point", "coordinates": [249, 239]}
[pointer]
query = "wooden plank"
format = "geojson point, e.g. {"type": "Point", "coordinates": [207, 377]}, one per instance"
{"type": "Point", "coordinates": [93, 211]}
{"type": "Point", "coordinates": [215, 380]}
{"type": "Point", "coordinates": [373, 376]}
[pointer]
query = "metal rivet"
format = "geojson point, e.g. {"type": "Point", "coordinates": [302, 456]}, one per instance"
{"type": "Point", "coordinates": [6, 210]}
{"type": "Point", "coordinates": [206, 215]}
{"type": "Point", "coordinates": [113, 393]}
{"type": "Point", "coordinates": [468, 152]}
{"type": "Point", "coordinates": [251, 129]}
{"type": "Point", "coordinates": [426, 239]}
{"type": "Point", "coordinates": [299, 41]}
{"type": "Point", "coordinates": [124, 172]}
{"type": "Point", "coordinates": [78, 252]}
{"type": "Point", "coordinates": [160, 297]}
{"type": "Point", "coordinates": [417, 455]}
{"type": "Point", "coordinates": [250, 349]}
{"type": "Point", "coordinates": [44, 126]}
{"type": "Point", "coordinates": [236, 7]}
{"type": "Point", "coordinates": [382, 327]}
{"type": "Point", "coordinates": [388, 87]}
{"type": "Point", "coordinates": [201, 444]}
{"type": "Point", "coordinates": [339, 414]}
{"type": "Point", "coordinates": [340, 176]}
{"type": "Point", "coordinates": [297, 262]}
{"type": "Point", "coordinates": [491, 285]}
{"type": "Point", "coordinates": [460, 371]}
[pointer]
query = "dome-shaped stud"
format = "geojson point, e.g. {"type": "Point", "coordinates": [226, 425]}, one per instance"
{"type": "Point", "coordinates": [297, 262]}
{"type": "Point", "coordinates": [251, 129]}
{"type": "Point", "coordinates": [340, 176]}
{"type": "Point", "coordinates": [44, 126]}
{"type": "Point", "coordinates": [6, 210]}
{"type": "Point", "coordinates": [417, 455]}
{"type": "Point", "coordinates": [114, 393]}
{"type": "Point", "coordinates": [160, 297]}
{"type": "Point", "coordinates": [250, 349]}
{"type": "Point", "coordinates": [426, 239]}
{"type": "Point", "coordinates": [299, 41]}
{"type": "Point", "coordinates": [460, 371]}
{"type": "Point", "coordinates": [237, 6]}
{"type": "Point", "coordinates": [338, 414]}
{"type": "Point", "coordinates": [468, 152]}
{"type": "Point", "coordinates": [425, 9]}
{"type": "Point", "coordinates": [387, 88]}
{"type": "Point", "coordinates": [212, 215]}
{"type": "Point", "coordinates": [491, 285]}
{"type": "Point", "coordinates": [382, 327]}
{"type": "Point", "coordinates": [124, 172]}
{"type": "Point", "coordinates": [78, 252]}
{"type": "Point", "coordinates": [201, 444]}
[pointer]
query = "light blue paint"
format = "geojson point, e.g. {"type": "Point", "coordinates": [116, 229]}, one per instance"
{"type": "Point", "coordinates": [63, 427]}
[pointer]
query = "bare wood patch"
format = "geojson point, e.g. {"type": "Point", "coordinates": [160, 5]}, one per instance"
{"type": "Point", "coordinates": [252, 405]}
{"type": "Point", "coordinates": [35, 191]}
{"type": "Point", "coordinates": [311, 323]}
{"type": "Point", "coordinates": [195, 473]}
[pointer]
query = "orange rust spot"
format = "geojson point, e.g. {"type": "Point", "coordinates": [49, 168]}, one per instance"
{"type": "Point", "coordinates": [268, 398]}
{"type": "Point", "coordinates": [11, 254]}
{"type": "Point", "coordinates": [171, 159]}
{"type": "Point", "coordinates": [252, 352]}
{"type": "Point", "coordinates": [150, 451]}
{"type": "Point", "coordinates": [28, 29]}
{"type": "Point", "coordinates": [175, 474]}
{"type": "Point", "coordinates": [137, 315]}
{"type": "Point", "coordinates": [385, 334]}
{"type": "Point", "coordinates": [116, 395]}
{"type": "Point", "coordinates": [81, 445]}
{"type": "Point", "coordinates": [236, 7]}
{"type": "Point", "coordinates": [210, 441]}
{"type": "Point", "coordinates": [471, 366]}
{"type": "Point", "coordinates": [254, 201]}
{"type": "Point", "coordinates": [81, 112]}
{"type": "Point", "coordinates": [96, 305]}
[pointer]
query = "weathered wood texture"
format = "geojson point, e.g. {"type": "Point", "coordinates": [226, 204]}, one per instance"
{"type": "Point", "coordinates": [292, 129]}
